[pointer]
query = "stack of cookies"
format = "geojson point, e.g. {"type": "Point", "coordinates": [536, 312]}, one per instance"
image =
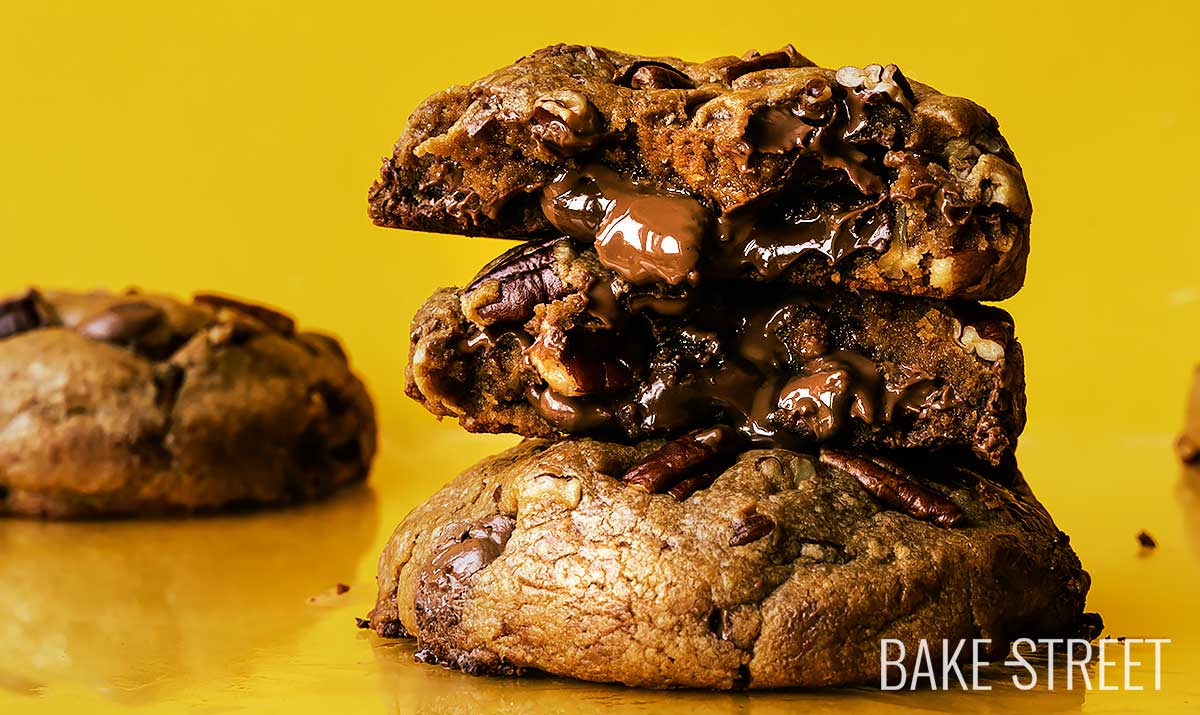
{"type": "Point", "coordinates": [769, 423]}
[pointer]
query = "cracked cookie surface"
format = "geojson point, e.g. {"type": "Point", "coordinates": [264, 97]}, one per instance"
{"type": "Point", "coordinates": [764, 166]}
{"type": "Point", "coordinates": [782, 571]}
{"type": "Point", "coordinates": [139, 403]}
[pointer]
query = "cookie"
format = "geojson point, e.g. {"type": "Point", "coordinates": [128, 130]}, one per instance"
{"type": "Point", "coordinates": [139, 403]}
{"type": "Point", "coordinates": [785, 367]}
{"type": "Point", "coordinates": [762, 569]}
{"type": "Point", "coordinates": [764, 166]}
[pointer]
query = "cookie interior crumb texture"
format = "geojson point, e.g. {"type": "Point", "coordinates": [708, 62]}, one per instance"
{"type": "Point", "coordinates": [125, 404]}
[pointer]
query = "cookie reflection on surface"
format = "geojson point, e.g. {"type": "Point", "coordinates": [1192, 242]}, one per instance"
{"type": "Point", "coordinates": [1188, 495]}
{"type": "Point", "coordinates": [411, 687]}
{"type": "Point", "coordinates": [136, 608]}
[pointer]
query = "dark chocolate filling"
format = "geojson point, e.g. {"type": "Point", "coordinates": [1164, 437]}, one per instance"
{"type": "Point", "coordinates": [835, 202]}
{"type": "Point", "coordinates": [775, 364]}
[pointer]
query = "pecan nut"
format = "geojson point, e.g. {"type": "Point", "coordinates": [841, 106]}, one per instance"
{"type": "Point", "coordinates": [681, 458]}
{"type": "Point", "coordinates": [895, 486]}
{"type": "Point", "coordinates": [579, 363]}
{"type": "Point", "coordinates": [508, 288]}
{"type": "Point", "coordinates": [874, 82]}
{"type": "Point", "coordinates": [750, 528]}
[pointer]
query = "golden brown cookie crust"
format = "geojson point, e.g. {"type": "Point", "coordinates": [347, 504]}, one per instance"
{"type": "Point", "coordinates": [783, 572]}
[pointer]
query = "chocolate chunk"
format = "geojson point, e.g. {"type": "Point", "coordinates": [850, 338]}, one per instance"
{"type": "Point", "coordinates": [751, 527]}
{"type": "Point", "coordinates": [565, 123]}
{"type": "Point", "coordinates": [680, 458]}
{"type": "Point", "coordinates": [895, 486]}
{"type": "Point", "coordinates": [272, 319]}
{"type": "Point", "coordinates": [569, 414]}
{"type": "Point", "coordinates": [690, 485]}
{"type": "Point", "coordinates": [508, 288]}
{"type": "Point", "coordinates": [19, 315]}
{"type": "Point", "coordinates": [766, 243]}
{"type": "Point", "coordinates": [838, 386]}
{"type": "Point", "coordinates": [122, 323]}
{"type": "Point", "coordinates": [450, 570]}
{"type": "Point", "coordinates": [392, 629]}
{"type": "Point", "coordinates": [651, 74]}
{"type": "Point", "coordinates": [642, 233]}
{"type": "Point", "coordinates": [753, 62]}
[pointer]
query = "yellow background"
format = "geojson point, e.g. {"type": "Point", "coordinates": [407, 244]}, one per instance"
{"type": "Point", "coordinates": [229, 146]}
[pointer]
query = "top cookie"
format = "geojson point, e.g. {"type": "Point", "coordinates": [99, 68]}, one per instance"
{"type": "Point", "coordinates": [762, 166]}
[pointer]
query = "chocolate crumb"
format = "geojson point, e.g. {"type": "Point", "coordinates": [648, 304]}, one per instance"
{"type": "Point", "coordinates": [1145, 540]}
{"type": "Point", "coordinates": [362, 623]}
{"type": "Point", "coordinates": [341, 588]}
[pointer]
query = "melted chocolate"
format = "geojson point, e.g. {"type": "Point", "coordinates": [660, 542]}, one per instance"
{"type": "Point", "coordinates": [770, 372]}
{"type": "Point", "coordinates": [643, 234]}
{"type": "Point", "coordinates": [450, 570]}
{"type": "Point", "coordinates": [767, 243]}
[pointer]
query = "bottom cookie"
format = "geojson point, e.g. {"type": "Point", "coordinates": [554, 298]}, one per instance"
{"type": "Point", "coordinates": [784, 571]}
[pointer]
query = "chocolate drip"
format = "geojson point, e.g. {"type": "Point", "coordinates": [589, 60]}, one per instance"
{"type": "Point", "coordinates": [771, 372]}
{"type": "Point", "coordinates": [767, 243]}
{"type": "Point", "coordinates": [838, 133]}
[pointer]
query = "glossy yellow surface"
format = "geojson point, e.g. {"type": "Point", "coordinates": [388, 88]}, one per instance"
{"type": "Point", "coordinates": [229, 146]}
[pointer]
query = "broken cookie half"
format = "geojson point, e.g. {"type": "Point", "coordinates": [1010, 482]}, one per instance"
{"type": "Point", "coordinates": [763, 167]}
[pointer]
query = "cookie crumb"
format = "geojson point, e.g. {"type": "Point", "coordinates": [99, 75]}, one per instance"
{"type": "Point", "coordinates": [1145, 540]}
{"type": "Point", "coordinates": [362, 623]}
{"type": "Point", "coordinates": [329, 597]}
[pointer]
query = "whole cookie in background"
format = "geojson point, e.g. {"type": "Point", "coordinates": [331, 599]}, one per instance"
{"type": "Point", "coordinates": [663, 566]}
{"type": "Point", "coordinates": [126, 404]}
